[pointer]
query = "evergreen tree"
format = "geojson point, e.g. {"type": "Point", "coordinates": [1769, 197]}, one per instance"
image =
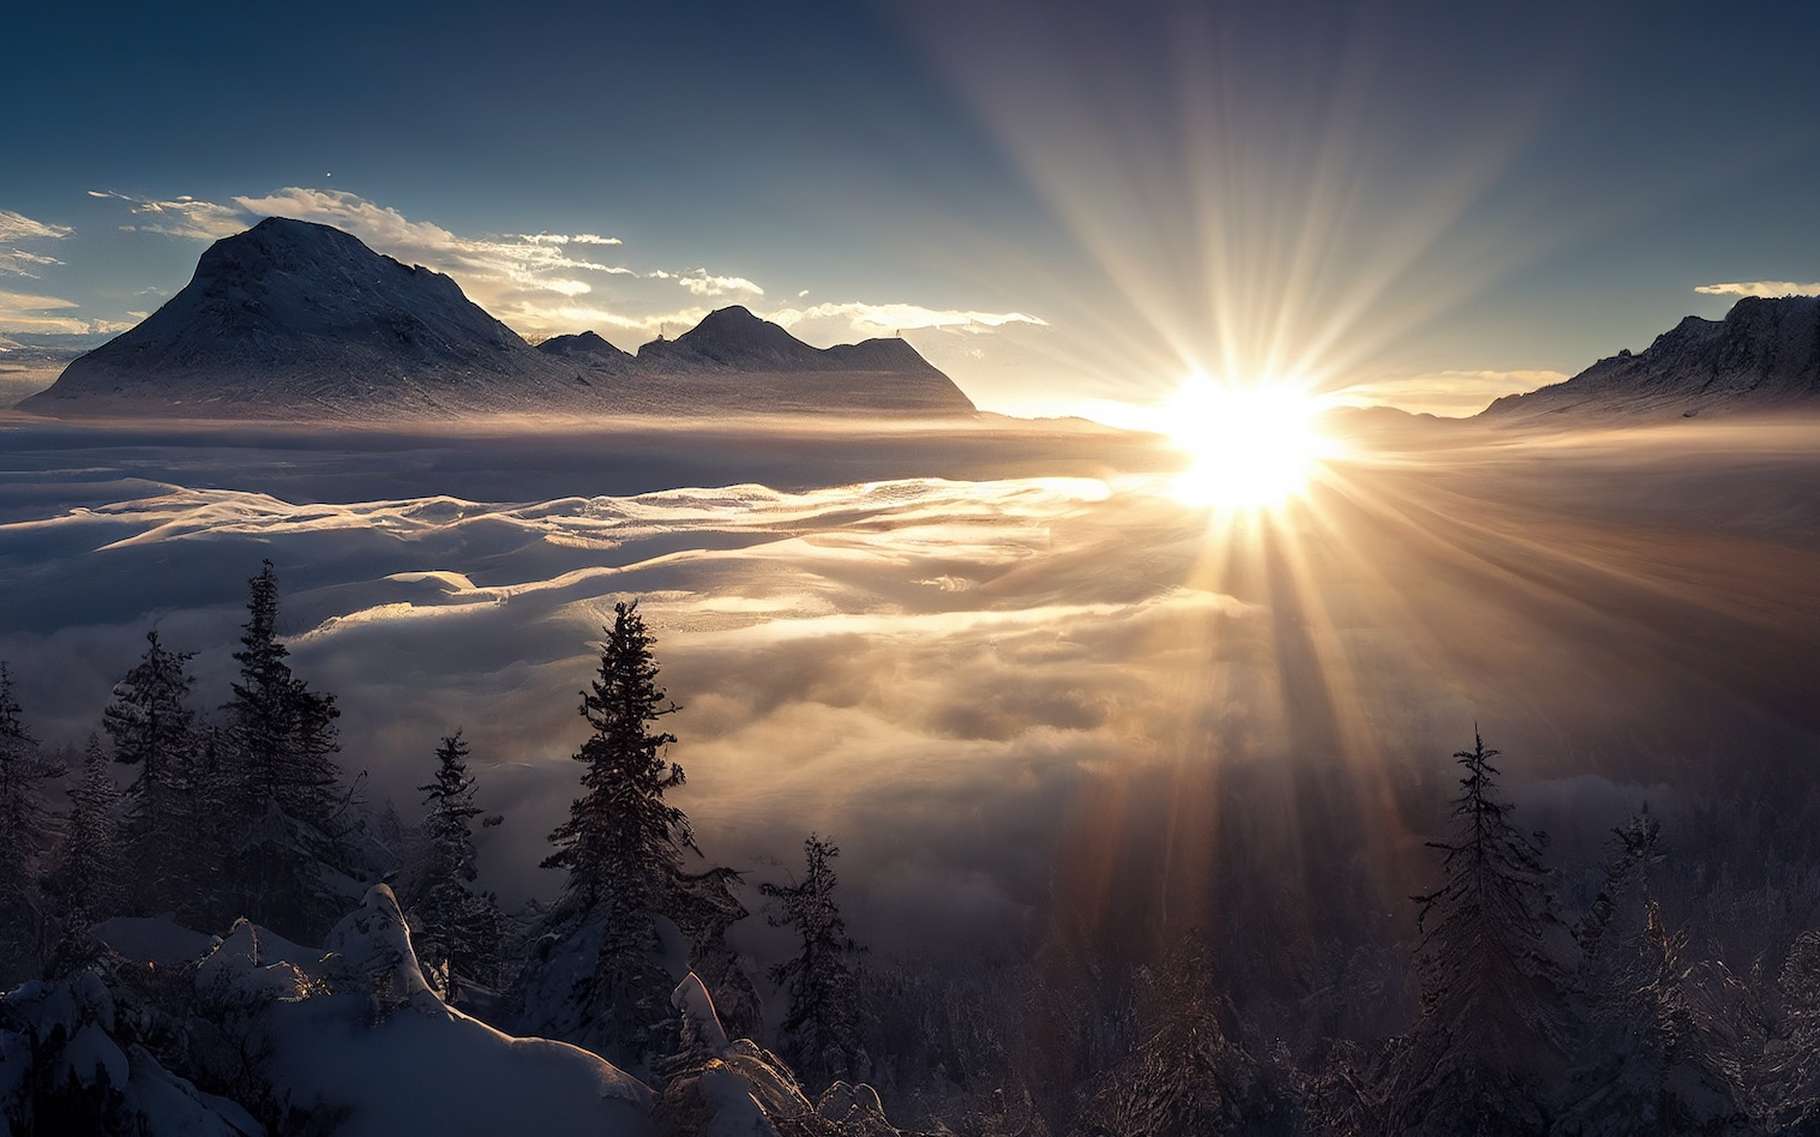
{"type": "Point", "coordinates": [153, 730]}
{"type": "Point", "coordinates": [283, 741]}
{"type": "Point", "coordinates": [86, 878]}
{"type": "Point", "coordinates": [622, 849]}
{"type": "Point", "coordinates": [1490, 1035]}
{"type": "Point", "coordinates": [820, 1035]}
{"type": "Point", "coordinates": [623, 842]}
{"type": "Point", "coordinates": [1648, 1058]}
{"type": "Point", "coordinates": [283, 731]}
{"type": "Point", "coordinates": [1187, 1074]}
{"type": "Point", "coordinates": [24, 838]}
{"type": "Point", "coordinates": [460, 925]}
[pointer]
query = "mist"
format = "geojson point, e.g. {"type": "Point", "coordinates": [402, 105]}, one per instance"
{"type": "Point", "coordinates": [1004, 665]}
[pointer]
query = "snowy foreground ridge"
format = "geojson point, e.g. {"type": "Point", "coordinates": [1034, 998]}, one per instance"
{"type": "Point", "coordinates": [352, 1041]}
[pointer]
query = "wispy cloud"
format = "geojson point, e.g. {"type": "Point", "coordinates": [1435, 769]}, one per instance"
{"type": "Point", "coordinates": [181, 216]}
{"type": "Point", "coordinates": [703, 283]}
{"type": "Point", "coordinates": [18, 262]}
{"type": "Point", "coordinates": [863, 319]}
{"type": "Point", "coordinates": [1760, 288]}
{"type": "Point", "coordinates": [568, 239]}
{"type": "Point", "coordinates": [1448, 393]}
{"type": "Point", "coordinates": [31, 312]}
{"type": "Point", "coordinates": [17, 227]}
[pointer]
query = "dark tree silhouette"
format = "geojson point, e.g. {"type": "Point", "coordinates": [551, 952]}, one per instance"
{"type": "Point", "coordinates": [459, 943]}
{"type": "Point", "coordinates": [623, 850]}
{"type": "Point", "coordinates": [87, 876]}
{"type": "Point", "coordinates": [283, 742]}
{"type": "Point", "coordinates": [1647, 1060]}
{"type": "Point", "coordinates": [1490, 1035]}
{"type": "Point", "coordinates": [623, 841]}
{"type": "Point", "coordinates": [284, 732]}
{"type": "Point", "coordinates": [820, 1032]}
{"type": "Point", "coordinates": [24, 837]}
{"type": "Point", "coordinates": [153, 730]}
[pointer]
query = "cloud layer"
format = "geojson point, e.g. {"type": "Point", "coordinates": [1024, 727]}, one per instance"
{"type": "Point", "coordinates": [1016, 680]}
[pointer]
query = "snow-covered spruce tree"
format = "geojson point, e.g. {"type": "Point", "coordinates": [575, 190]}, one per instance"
{"type": "Point", "coordinates": [621, 848]}
{"type": "Point", "coordinates": [1789, 1066]}
{"type": "Point", "coordinates": [86, 878]}
{"type": "Point", "coordinates": [24, 839]}
{"type": "Point", "coordinates": [1187, 1075]}
{"type": "Point", "coordinates": [820, 1032]}
{"type": "Point", "coordinates": [1489, 1041]}
{"type": "Point", "coordinates": [622, 839]}
{"type": "Point", "coordinates": [459, 944]}
{"type": "Point", "coordinates": [1645, 1061]}
{"type": "Point", "coordinates": [285, 732]}
{"type": "Point", "coordinates": [153, 730]}
{"type": "Point", "coordinates": [283, 743]}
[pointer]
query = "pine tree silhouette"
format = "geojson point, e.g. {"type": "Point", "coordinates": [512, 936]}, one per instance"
{"type": "Point", "coordinates": [283, 741]}
{"type": "Point", "coordinates": [24, 839]}
{"type": "Point", "coordinates": [1493, 1015]}
{"type": "Point", "coordinates": [622, 839]}
{"type": "Point", "coordinates": [153, 731]}
{"type": "Point", "coordinates": [460, 925]}
{"type": "Point", "coordinates": [88, 870]}
{"type": "Point", "coordinates": [821, 1038]}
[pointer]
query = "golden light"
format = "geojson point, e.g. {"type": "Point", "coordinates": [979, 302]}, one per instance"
{"type": "Point", "coordinates": [1249, 445]}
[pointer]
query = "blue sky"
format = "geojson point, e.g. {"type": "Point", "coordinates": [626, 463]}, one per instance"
{"type": "Point", "coordinates": [1065, 206]}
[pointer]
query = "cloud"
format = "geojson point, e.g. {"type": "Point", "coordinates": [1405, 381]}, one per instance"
{"type": "Point", "coordinates": [181, 216]}
{"type": "Point", "coordinates": [1451, 393]}
{"type": "Point", "coordinates": [14, 262]}
{"type": "Point", "coordinates": [19, 227]}
{"type": "Point", "coordinates": [702, 283]}
{"type": "Point", "coordinates": [30, 312]}
{"type": "Point", "coordinates": [957, 678]}
{"type": "Point", "coordinates": [857, 318]}
{"type": "Point", "coordinates": [568, 239]}
{"type": "Point", "coordinates": [544, 318]}
{"type": "Point", "coordinates": [16, 227]}
{"type": "Point", "coordinates": [1760, 288]}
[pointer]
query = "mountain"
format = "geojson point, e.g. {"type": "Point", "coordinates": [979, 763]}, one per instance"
{"type": "Point", "coordinates": [1763, 356]}
{"type": "Point", "coordinates": [589, 350]}
{"type": "Point", "coordinates": [732, 339]}
{"type": "Point", "coordinates": [294, 316]}
{"type": "Point", "coordinates": [292, 319]}
{"type": "Point", "coordinates": [737, 360]}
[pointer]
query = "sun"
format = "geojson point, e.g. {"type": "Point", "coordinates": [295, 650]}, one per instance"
{"type": "Point", "coordinates": [1249, 445]}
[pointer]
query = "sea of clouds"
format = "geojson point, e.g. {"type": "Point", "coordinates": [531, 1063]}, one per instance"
{"type": "Point", "coordinates": [954, 676]}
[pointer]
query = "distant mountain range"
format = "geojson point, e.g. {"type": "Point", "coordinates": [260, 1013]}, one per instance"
{"type": "Point", "coordinates": [1763, 356]}
{"type": "Point", "coordinates": [293, 319]}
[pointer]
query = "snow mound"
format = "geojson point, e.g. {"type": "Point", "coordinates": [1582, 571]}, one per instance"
{"type": "Point", "coordinates": [156, 940]}
{"type": "Point", "coordinates": [388, 1057]}
{"type": "Point", "coordinates": [68, 1025]}
{"type": "Point", "coordinates": [232, 973]}
{"type": "Point", "coordinates": [740, 1089]}
{"type": "Point", "coordinates": [701, 1026]}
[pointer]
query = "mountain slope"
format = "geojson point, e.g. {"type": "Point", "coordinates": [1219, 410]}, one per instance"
{"type": "Point", "coordinates": [737, 360]}
{"type": "Point", "coordinates": [296, 320]}
{"type": "Point", "coordinates": [291, 315]}
{"type": "Point", "coordinates": [589, 350]}
{"type": "Point", "coordinates": [1763, 356]}
{"type": "Point", "coordinates": [732, 339]}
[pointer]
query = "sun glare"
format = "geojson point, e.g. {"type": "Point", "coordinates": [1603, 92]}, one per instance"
{"type": "Point", "coordinates": [1249, 445]}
